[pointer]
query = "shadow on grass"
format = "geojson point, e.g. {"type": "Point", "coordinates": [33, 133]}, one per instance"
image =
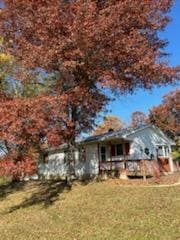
{"type": "Point", "coordinates": [9, 188]}
{"type": "Point", "coordinates": [46, 194]}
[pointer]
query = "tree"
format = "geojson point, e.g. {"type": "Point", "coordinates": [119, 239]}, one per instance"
{"type": "Point", "coordinates": [90, 45]}
{"type": "Point", "coordinates": [167, 115]}
{"type": "Point", "coordinates": [110, 123]}
{"type": "Point", "coordinates": [137, 119]}
{"type": "Point", "coordinates": [6, 65]}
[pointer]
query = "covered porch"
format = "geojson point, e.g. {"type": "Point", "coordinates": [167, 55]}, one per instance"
{"type": "Point", "coordinates": [114, 157]}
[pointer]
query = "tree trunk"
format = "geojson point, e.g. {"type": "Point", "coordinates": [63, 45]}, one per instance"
{"type": "Point", "coordinates": [71, 144]}
{"type": "Point", "coordinates": [71, 159]}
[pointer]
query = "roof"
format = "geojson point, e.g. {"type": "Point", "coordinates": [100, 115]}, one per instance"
{"type": "Point", "coordinates": [123, 133]}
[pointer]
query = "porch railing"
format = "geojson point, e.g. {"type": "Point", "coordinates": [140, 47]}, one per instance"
{"type": "Point", "coordinates": [133, 167]}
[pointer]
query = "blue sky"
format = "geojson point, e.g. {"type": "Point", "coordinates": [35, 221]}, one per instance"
{"type": "Point", "coordinates": [143, 100]}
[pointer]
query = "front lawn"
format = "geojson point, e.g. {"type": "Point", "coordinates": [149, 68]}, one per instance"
{"type": "Point", "coordinates": [94, 211]}
{"type": "Point", "coordinates": [3, 180]}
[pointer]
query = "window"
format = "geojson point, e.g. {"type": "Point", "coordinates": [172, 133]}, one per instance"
{"type": "Point", "coordinates": [160, 151]}
{"type": "Point", "coordinates": [113, 150]}
{"type": "Point", "coordinates": [46, 158]}
{"type": "Point", "coordinates": [82, 154]}
{"type": "Point", "coordinates": [163, 151]}
{"type": "Point", "coordinates": [146, 150]}
{"type": "Point", "coordinates": [103, 154]}
{"type": "Point", "coordinates": [127, 148]}
{"type": "Point", "coordinates": [65, 156]}
{"type": "Point", "coordinates": [119, 148]}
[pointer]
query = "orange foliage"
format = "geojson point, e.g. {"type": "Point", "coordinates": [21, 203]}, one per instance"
{"type": "Point", "coordinates": [92, 45]}
{"type": "Point", "coordinates": [167, 115]}
{"type": "Point", "coordinates": [137, 119]}
{"type": "Point", "coordinates": [110, 123]}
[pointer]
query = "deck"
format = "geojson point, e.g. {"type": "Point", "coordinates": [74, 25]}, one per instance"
{"type": "Point", "coordinates": [133, 167]}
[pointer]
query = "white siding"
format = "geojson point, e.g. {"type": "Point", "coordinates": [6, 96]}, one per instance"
{"type": "Point", "coordinates": [145, 138]}
{"type": "Point", "coordinates": [92, 162]}
{"type": "Point", "coordinates": [54, 167]}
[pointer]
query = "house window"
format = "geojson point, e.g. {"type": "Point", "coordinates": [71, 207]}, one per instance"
{"type": "Point", "coordinates": [82, 154]}
{"type": "Point", "coordinates": [146, 150]}
{"type": "Point", "coordinates": [46, 158]}
{"type": "Point", "coordinates": [127, 148]}
{"type": "Point", "coordinates": [103, 154]}
{"type": "Point", "coordinates": [113, 150]}
{"type": "Point", "coordinates": [65, 156]}
{"type": "Point", "coordinates": [119, 148]}
{"type": "Point", "coordinates": [160, 151]}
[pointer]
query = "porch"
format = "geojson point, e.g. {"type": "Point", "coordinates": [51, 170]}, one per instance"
{"type": "Point", "coordinates": [137, 167]}
{"type": "Point", "coordinates": [115, 158]}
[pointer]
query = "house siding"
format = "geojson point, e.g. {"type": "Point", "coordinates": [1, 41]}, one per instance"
{"type": "Point", "coordinates": [149, 137]}
{"type": "Point", "coordinates": [92, 162]}
{"type": "Point", "coordinates": [146, 138]}
{"type": "Point", "coordinates": [57, 167]}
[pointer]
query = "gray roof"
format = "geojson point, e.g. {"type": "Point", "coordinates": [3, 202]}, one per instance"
{"type": "Point", "coordinates": [123, 133]}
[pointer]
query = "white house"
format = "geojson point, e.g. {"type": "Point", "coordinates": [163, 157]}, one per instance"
{"type": "Point", "coordinates": [144, 150]}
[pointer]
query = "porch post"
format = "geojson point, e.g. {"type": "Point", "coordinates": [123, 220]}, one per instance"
{"type": "Point", "coordinates": [124, 162]}
{"type": "Point", "coordinates": [144, 170]}
{"type": "Point", "coordinates": [178, 166]}
{"type": "Point", "coordinates": [123, 174]}
{"type": "Point", "coordinates": [163, 150]}
{"type": "Point", "coordinates": [110, 156]}
{"type": "Point", "coordinates": [99, 159]}
{"type": "Point", "coordinates": [171, 164]}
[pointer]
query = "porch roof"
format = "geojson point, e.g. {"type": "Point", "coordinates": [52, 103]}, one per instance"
{"type": "Point", "coordinates": [109, 136]}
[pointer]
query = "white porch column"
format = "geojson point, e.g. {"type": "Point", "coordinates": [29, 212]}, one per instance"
{"type": "Point", "coordinates": [163, 150]}
{"type": "Point", "coordinates": [171, 164]}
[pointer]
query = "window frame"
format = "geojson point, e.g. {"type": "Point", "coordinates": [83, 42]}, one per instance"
{"type": "Point", "coordinates": [122, 150]}
{"type": "Point", "coordinates": [65, 157]}
{"type": "Point", "coordinates": [82, 154]}
{"type": "Point", "coordinates": [103, 153]}
{"type": "Point", "coordinates": [116, 150]}
{"type": "Point", "coordinates": [164, 149]}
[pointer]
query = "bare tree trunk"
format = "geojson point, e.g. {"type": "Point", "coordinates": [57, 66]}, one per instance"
{"type": "Point", "coordinates": [71, 158]}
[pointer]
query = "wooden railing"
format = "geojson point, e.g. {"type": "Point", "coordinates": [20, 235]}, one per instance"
{"type": "Point", "coordinates": [133, 167]}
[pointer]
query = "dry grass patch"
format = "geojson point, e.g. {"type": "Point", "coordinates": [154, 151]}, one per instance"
{"type": "Point", "coordinates": [94, 211]}
{"type": "Point", "coordinates": [163, 180]}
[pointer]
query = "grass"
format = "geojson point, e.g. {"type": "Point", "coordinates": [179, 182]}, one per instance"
{"type": "Point", "coordinates": [94, 211]}
{"type": "Point", "coordinates": [3, 180]}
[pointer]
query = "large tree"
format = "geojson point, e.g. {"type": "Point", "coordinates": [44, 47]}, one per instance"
{"type": "Point", "coordinates": [167, 115]}
{"type": "Point", "coordinates": [138, 118]}
{"type": "Point", "coordinates": [90, 45]}
{"type": "Point", "coordinates": [110, 123]}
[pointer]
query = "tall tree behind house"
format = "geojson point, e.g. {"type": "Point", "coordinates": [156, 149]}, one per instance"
{"type": "Point", "coordinates": [92, 45]}
{"type": "Point", "coordinates": [110, 123]}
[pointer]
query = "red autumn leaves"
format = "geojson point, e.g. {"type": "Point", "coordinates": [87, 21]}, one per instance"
{"type": "Point", "coordinates": [92, 45]}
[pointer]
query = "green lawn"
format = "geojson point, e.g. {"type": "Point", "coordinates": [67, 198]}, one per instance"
{"type": "Point", "coordinates": [94, 211]}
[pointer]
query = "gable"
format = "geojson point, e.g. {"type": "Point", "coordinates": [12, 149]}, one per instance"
{"type": "Point", "coordinates": [152, 134]}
